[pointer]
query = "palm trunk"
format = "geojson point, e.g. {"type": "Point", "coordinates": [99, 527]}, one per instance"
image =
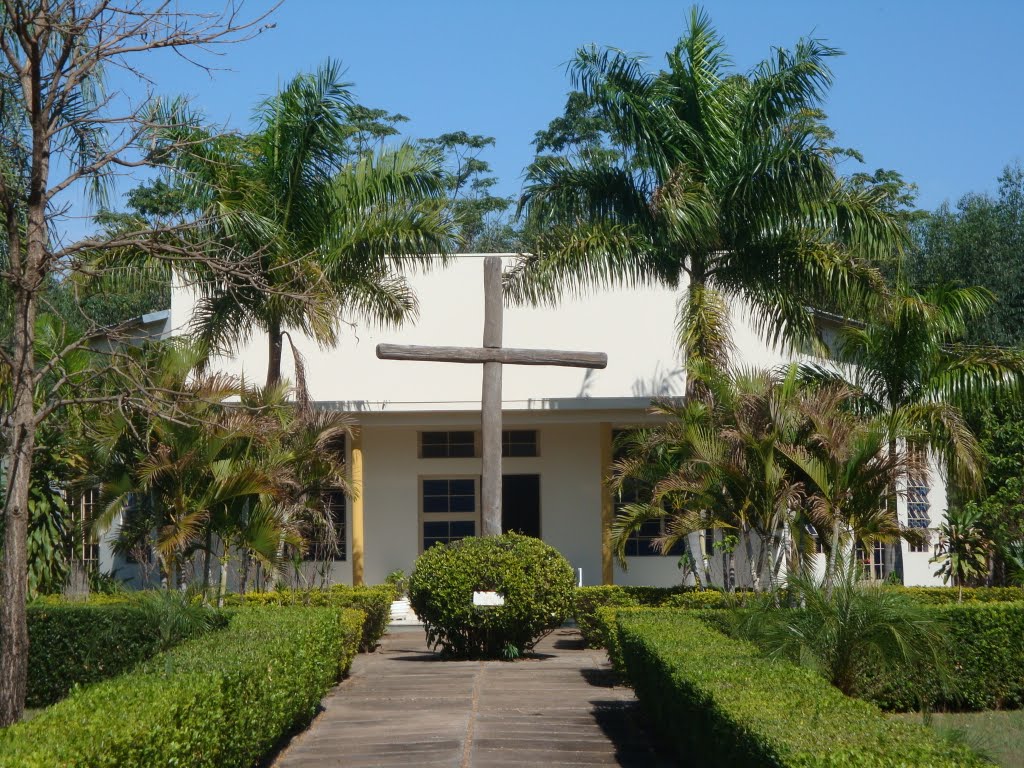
{"type": "Point", "coordinates": [225, 558]}
{"type": "Point", "coordinates": [891, 508]}
{"type": "Point", "coordinates": [698, 280]}
{"type": "Point", "coordinates": [206, 563]}
{"type": "Point", "coordinates": [275, 339]}
{"type": "Point", "coordinates": [748, 548]}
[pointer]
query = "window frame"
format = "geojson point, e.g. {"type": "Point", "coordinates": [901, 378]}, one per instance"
{"type": "Point", "coordinates": [448, 517]}
{"type": "Point", "coordinates": [420, 434]}
{"type": "Point", "coordinates": [506, 443]}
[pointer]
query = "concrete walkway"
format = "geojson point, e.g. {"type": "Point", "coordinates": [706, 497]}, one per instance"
{"type": "Point", "coordinates": [403, 707]}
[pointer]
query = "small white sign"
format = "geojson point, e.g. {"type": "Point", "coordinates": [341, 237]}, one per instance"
{"type": "Point", "coordinates": [488, 599]}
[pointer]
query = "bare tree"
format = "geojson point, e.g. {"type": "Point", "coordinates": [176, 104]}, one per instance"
{"type": "Point", "coordinates": [61, 130]}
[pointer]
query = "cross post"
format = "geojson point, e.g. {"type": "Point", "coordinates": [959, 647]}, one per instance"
{"type": "Point", "coordinates": [492, 355]}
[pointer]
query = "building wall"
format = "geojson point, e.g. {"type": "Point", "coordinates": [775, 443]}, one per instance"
{"type": "Point", "coordinates": [634, 326]}
{"type": "Point", "coordinates": [570, 494]}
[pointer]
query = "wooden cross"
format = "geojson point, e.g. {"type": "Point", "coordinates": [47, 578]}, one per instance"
{"type": "Point", "coordinates": [492, 355]}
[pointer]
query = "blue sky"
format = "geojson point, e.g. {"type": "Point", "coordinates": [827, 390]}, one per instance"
{"type": "Point", "coordinates": [932, 89]}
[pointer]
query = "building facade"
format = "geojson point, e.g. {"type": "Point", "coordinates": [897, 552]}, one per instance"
{"type": "Point", "coordinates": [415, 455]}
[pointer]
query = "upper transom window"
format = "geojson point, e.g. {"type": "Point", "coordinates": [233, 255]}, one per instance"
{"type": "Point", "coordinates": [519, 442]}
{"type": "Point", "coordinates": [448, 445]}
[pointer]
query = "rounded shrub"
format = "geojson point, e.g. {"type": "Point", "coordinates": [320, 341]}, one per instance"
{"type": "Point", "coordinates": [535, 580]}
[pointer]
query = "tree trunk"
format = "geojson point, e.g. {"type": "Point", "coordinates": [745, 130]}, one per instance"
{"type": "Point", "coordinates": [14, 570]}
{"type": "Point", "coordinates": [698, 280]}
{"type": "Point", "coordinates": [275, 339]}
{"type": "Point", "coordinates": [19, 428]}
{"type": "Point", "coordinates": [206, 563]}
{"type": "Point", "coordinates": [891, 508]}
{"type": "Point", "coordinates": [748, 549]}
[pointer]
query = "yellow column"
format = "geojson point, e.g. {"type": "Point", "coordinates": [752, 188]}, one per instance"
{"type": "Point", "coordinates": [607, 506]}
{"type": "Point", "coordinates": [357, 507]}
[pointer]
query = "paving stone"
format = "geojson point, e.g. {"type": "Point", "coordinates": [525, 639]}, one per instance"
{"type": "Point", "coordinates": [402, 706]}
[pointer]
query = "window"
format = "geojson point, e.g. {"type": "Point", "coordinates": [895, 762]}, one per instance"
{"type": "Point", "coordinates": [819, 547]}
{"type": "Point", "coordinates": [448, 445]}
{"type": "Point", "coordinates": [323, 546]}
{"type": "Point", "coordinates": [917, 491]}
{"type": "Point", "coordinates": [923, 545]}
{"type": "Point", "coordinates": [881, 571]}
{"type": "Point", "coordinates": [464, 444]}
{"type": "Point", "coordinates": [85, 549]}
{"type": "Point", "coordinates": [643, 541]}
{"type": "Point", "coordinates": [448, 509]}
{"type": "Point", "coordinates": [518, 442]}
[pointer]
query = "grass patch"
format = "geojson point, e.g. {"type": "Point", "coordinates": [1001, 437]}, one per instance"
{"type": "Point", "coordinates": [999, 735]}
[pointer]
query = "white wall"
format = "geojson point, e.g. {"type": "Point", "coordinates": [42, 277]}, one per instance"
{"type": "Point", "coordinates": [635, 327]}
{"type": "Point", "coordinates": [570, 493]}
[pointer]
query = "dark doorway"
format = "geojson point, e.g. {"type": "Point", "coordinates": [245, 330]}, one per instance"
{"type": "Point", "coordinates": [520, 504]}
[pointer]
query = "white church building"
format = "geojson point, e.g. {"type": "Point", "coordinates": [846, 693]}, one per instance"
{"type": "Point", "coordinates": [415, 457]}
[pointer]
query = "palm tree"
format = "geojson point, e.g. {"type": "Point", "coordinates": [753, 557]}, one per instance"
{"type": "Point", "coordinates": [844, 626]}
{"type": "Point", "coordinates": [328, 229]}
{"type": "Point", "coordinates": [912, 370]}
{"type": "Point", "coordinates": [846, 469]}
{"type": "Point", "coordinates": [717, 462]}
{"type": "Point", "coordinates": [723, 183]}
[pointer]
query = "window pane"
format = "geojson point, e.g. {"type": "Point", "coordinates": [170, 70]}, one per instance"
{"type": "Point", "coordinates": [435, 504]}
{"type": "Point", "coordinates": [435, 530]}
{"type": "Point", "coordinates": [519, 442]}
{"type": "Point", "coordinates": [461, 487]}
{"type": "Point", "coordinates": [463, 528]}
{"type": "Point", "coordinates": [461, 452]}
{"type": "Point", "coordinates": [435, 487]}
{"type": "Point", "coordinates": [462, 504]}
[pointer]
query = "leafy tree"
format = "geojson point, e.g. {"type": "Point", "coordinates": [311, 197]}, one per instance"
{"type": "Point", "coordinates": [999, 424]}
{"type": "Point", "coordinates": [481, 216]}
{"type": "Point", "coordinates": [60, 134]}
{"type": "Point", "coordinates": [979, 242]}
{"type": "Point", "coordinates": [719, 181]}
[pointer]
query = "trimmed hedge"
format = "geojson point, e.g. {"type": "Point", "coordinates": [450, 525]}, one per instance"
{"type": "Point", "coordinates": [534, 579]}
{"type": "Point", "coordinates": [595, 627]}
{"type": "Point", "coordinates": [374, 602]}
{"type": "Point", "coordinates": [946, 595]}
{"type": "Point", "coordinates": [986, 649]}
{"type": "Point", "coordinates": [80, 643]}
{"type": "Point", "coordinates": [718, 701]}
{"type": "Point", "coordinates": [225, 699]}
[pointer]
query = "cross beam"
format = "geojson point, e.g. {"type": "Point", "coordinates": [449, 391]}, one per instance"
{"type": "Point", "coordinates": [492, 356]}
{"type": "Point", "coordinates": [504, 355]}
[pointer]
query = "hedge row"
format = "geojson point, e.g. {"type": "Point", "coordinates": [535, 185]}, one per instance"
{"type": "Point", "coordinates": [945, 595]}
{"type": "Point", "coordinates": [595, 627]}
{"type": "Point", "coordinates": [225, 699]}
{"type": "Point", "coordinates": [985, 642]}
{"type": "Point", "coordinates": [79, 643]}
{"type": "Point", "coordinates": [374, 602]}
{"type": "Point", "coordinates": [717, 701]}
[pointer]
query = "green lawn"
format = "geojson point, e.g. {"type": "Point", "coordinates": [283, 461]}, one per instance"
{"type": "Point", "coordinates": [997, 735]}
